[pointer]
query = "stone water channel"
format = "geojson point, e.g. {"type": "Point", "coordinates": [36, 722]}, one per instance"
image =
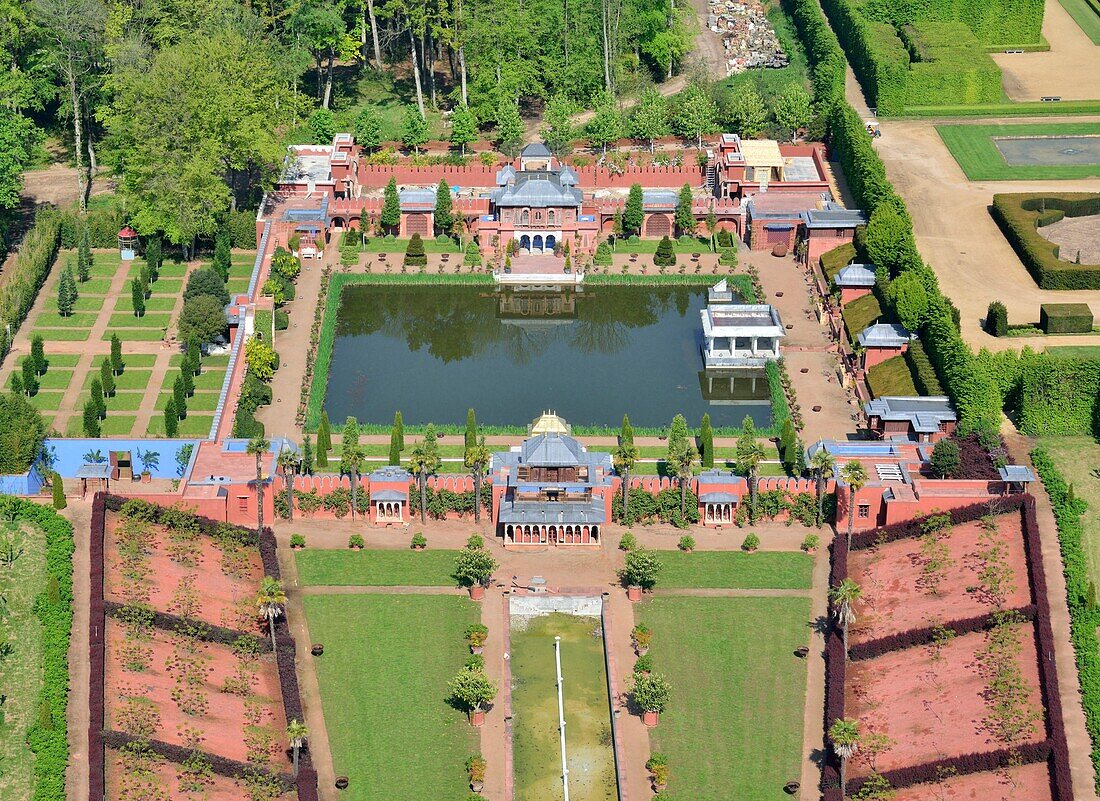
{"type": "Point", "coordinates": [536, 749]}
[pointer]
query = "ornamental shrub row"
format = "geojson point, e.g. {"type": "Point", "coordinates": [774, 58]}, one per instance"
{"type": "Point", "coordinates": [1084, 619]}
{"type": "Point", "coordinates": [926, 635]}
{"type": "Point", "coordinates": [27, 274]}
{"type": "Point", "coordinates": [49, 739]}
{"type": "Point", "coordinates": [1021, 214]}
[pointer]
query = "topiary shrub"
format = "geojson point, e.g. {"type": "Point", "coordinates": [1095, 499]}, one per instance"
{"type": "Point", "coordinates": [59, 501]}
{"type": "Point", "coordinates": [603, 255]}
{"type": "Point", "coordinates": [996, 319]}
{"type": "Point", "coordinates": [473, 255]}
{"type": "Point", "coordinates": [665, 255]}
{"type": "Point", "coordinates": [751, 543]}
{"type": "Point", "coordinates": [415, 256]}
{"type": "Point", "coordinates": [1065, 318]}
{"type": "Point", "coordinates": [628, 542]}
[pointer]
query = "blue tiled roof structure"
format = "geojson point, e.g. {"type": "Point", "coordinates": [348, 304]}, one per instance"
{"type": "Point", "coordinates": [537, 189]}
{"type": "Point", "coordinates": [856, 275]}
{"type": "Point", "coordinates": [884, 335]}
{"type": "Point", "coordinates": [925, 413]}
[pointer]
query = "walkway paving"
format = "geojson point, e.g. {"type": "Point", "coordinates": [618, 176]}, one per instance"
{"type": "Point", "coordinates": [79, 512]}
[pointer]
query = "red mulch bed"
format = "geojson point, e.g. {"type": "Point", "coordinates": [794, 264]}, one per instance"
{"type": "Point", "coordinates": [222, 596]}
{"type": "Point", "coordinates": [165, 775]}
{"type": "Point", "coordinates": [931, 709]}
{"type": "Point", "coordinates": [894, 599]}
{"type": "Point", "coordinates": [223, 725]}
{"type": "Point", "coordinates": [1025, 783]}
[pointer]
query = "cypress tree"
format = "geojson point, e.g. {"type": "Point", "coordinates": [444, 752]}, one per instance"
{"type": "Point", "coordinates": [137, 297]}
{"type": "Point", "coordinates": [685, 216]}
{"type": "Point", "coordinates": [154, 256]}
{"type": "Point", "coordinates": [626, 435]}
{"type": "Point", "coordinates": [444, 208]}
{"type": "Point", "coordinates": [324, 436]}
{"type": "Point", "coordinates": [116, 354]}
{"type": "Point", "coordinates": [84, 258]}
{"type": "Point", "coordinates": [188, 382]}
{"type": "Point", "coordinates": [91, 418]}
{"type": "Point", "coordinates": [633, 211]}
{"type": "Point", "coordinates": [17, 383]}
{"type": "Point", "coordinates": [471, 429]}
{"type": "Point", "coordinates": [179, 394]}
{"type": "Point", "coordinates": [399, 424]}
{"type": "Point", "coordinates": [66, 293]}
{"type": "Point", "coordinates": [706, 442]}
{"type": "Point", "coordinates": [194, 353]}
{"type": "Point", "coordinates": [307, 456]}
{"type": "Point", "coordinates": [97, 397]}
{"type": "Point", "coordinates": [30, 379]}
{"type": "Point", "coordinates": [38, 354]}
{"type": "Point", "coordinates": [395, 451]}
{"type": "Point", "coordinates": [223, 255]}
{"type": "Point", "coordinates": [171, 418]}
{"type": "Point", "coordinates": [391, 207]}
{"type": "Point", "coordinates": [107, 378]}
{"type": "Point", "coordinates": [59, 501]}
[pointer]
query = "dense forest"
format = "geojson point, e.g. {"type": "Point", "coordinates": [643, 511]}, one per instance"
{"type": "Point", "coordinates": [189, 102]}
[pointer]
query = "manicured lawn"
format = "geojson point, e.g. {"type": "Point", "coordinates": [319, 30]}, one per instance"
{"type": "Point", "coordinates": [115, 425]}
{"type": "Point", "coordinates": [780, 570]}
{"type": "Point", "coordinates": [734, 726]}
{"type": "Point", "coordinates": [129, 361]}
{"type": "Point", "coordinates": [383, 682]}
{"type": "Point", "coordinates": [63, 334]}
{"type": "Point", "coordinates": [125, 303]}
{"type": "Point", "coordinates": [377, 568]}
{"type": "Point", "coordinates": [972, 146]}
{"type": "Point", "coordinates": [167, 286]}
{"type": "Point", "coordinates": [96, 286]}
{"type": "Point", "coordinates": [196, 425]}
{"type": "Point", "coordinates": [649, 246]}
{"type": "Point", "coordinates": [88, 303]}
{"type": "Point", "coordinates": [892, 377]}
{"type": "Point", "coordinates": [382, 244]}
{"type": "Point", "coordinates": [49, 318]}
{"type": "Point", "coordinates": [135, 334]}
{"type": "Point", "coordinates": [199, 402]}
{"type": "Point", "coordinates": [859, 314]}
{"type": "Point", "coordinates": [222, 360]}
{"type": "Point", "coordinates": [122, 402]}
{"type": "Point", "coordinates": [1086, 16]}
{"type": "Point", "coordinates": [21, 583]}
{"type": "Point", "coordinates": [54, 379]}
{"type": "Point", "coordinates": [128, 379]}
{"type": "Point", "coordinates": [1076, 458]}
{"type": "Point", "coordinates": [236, 285]}
{"type": "Point", "coordinates": [209, 379]}
{"type": "Point", "coordinates": [47, 401]}
{"type": "Point", "coordinates": [1076, 351]}
{"type": "Point", "coordinates": [148, 320]}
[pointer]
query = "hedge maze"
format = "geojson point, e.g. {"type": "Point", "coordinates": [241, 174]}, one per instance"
{"type": "Point", "coordinates": [1020, 217]}
{"type": "Point", "coordinates": [933, 53]}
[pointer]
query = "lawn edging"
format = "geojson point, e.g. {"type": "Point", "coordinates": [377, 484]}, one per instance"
{"type": "Point", "coordinates": [973, 149]}
{"type": "Point", "coordinates": [1054, 748]}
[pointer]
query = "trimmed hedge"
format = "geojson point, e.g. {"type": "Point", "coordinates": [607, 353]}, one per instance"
{"type": "Point", "coordinates": [220, 765]}
{"type": "Point", "coordinates": [1021, 214]}
{"type": "Point", "coordinates": [207, 633]}
{"type": "Point", "coordinates": [1083, 619]}
{"type": "Point", "coordinates": [50, 745]}
{"type": "Point", "coordinates": [926, 635]}
{"type": "Point", "coordinates": [1059, 396]}
{"type": "Point", "coordinates": [833, 261]}
{"type": "Point", "coordinates": [949, 65]}
{"type": "Point", "coordinates": [996, 319]}
{"type": "Point", "coordinates": [924, 375]}
{"type": "Point", "coordinates": [1065, 318]}
{"type": "Point", "coordinates": [28, 273]}
{"type": "Point", "coordinates": [934, 771]}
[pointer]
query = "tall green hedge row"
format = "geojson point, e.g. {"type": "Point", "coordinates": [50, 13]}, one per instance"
{"type": "Point", "coordinates": [1059, 396]}
{"type": "Point", "coordinates": [948, 65]}
{"type": "Point", "coordinates": [1083, 617]}
{"type": "Point", "coordinates": [976, 396]}
{"type": "Point", "coordinates": [50, 743]}
{"type": "Point", "coordinates": [993, 22]}
{"type": "Point", "coordinates": [28, 273]}
{"type": "Point", "coordinates": [1021, 214]}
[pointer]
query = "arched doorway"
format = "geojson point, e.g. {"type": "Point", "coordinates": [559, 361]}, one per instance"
{"type": "Point", "coordinates": [536, 246]}
{"type": "Point", "coordinates": [550, 242]}
{"type": "Point", "coordinates": [525, 243]}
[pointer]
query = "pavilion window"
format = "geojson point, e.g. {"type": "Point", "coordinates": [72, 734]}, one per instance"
{"type": "Point", "coordinates": [743, 343]}
{"type": "Point", "coordinates": [524, 217]}
{"type": "Point", "coordinates": [550, 217]}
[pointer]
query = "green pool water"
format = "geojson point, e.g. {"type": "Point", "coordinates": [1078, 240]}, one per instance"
{"type": "Point", "coordinates": [536, 750]}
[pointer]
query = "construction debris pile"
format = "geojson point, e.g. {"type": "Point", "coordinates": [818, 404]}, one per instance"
{"type": "Point", "coordinates": [747, 35]}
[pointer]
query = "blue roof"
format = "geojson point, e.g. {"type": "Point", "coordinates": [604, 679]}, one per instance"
{"type": "Point", "coordinates": [1018, 473]}
{"type": "Point", "coordinates": [884, 335]}
{"type": "Point", "coordinates": [535, 150]}
{"type": "Point", "coordinates": [660, 198]}
{"type": "Point", "coordinates": [537, 189]}
{"type": "Point", "coordinates": [552, 512]}
{"type": "Point", "coordinates": [857, 275]}
{"type": "Point", "coordinates": [413, 198]}
{"type": "Point", "coordinates": [390, 473]}
{"type": "Point", "coordinates": [924, 413]}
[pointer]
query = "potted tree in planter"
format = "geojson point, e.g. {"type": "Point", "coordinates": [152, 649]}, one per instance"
{"type": "Point", "coordinates": [644, 665]}
{"type": "Point", "coordinates": [657, 765]}
{"type": "Point", "coordinates": [476, 635]}
{"type": "Point", "coordinates": [651, 693]}
{"type": "Point", "coordinates": [356, 542]}
{"type": "Point", "coordinates": [640, 572]}
{"type": "Point", "coordinates": [471, 689]}
{"type": "Point", "coordinates": [686, 544]}
{"type": "Point", "coordinates": [476, 766]}
{"type": "Point", "coordinates": [474, 569]}
{"type": "Point", "coordinates": [297, 542]}
{"type": "Point", "coordinates": [419, 542]}
{"type": "Point", "coordinates": [641, 636]}
{"type": "Point", "coordinates": [150, 461]}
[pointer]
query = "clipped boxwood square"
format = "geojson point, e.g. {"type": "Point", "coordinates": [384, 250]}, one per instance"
{"type": "Point", "coordinates": [1065, 318]}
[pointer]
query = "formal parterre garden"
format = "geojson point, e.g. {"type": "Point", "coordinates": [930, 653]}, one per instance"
{"type": "Point", "coordinates": [193, 706]}
{"type": "Point", "coordinates": [975, 149]}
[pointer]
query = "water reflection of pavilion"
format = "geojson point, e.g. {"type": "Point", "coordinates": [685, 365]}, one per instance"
{"type": "Point", "coordinates": [522, 303]}
{"type": "Point", "coordinates": [733, 387]}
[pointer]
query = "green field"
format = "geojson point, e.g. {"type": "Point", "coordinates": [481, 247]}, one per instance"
{"type": "Point", "coordinates": [859, 314]}
{"type": "Point", "coordinates": [377, 568]}
{"type": "Point", "coordinates": [785, 570]}
{"type": "Point", "coordinates": [973, 148]}
{"type": "Point", "coordinates": [1076, 459]}
{"type": "Point", "coordinates": [1075, 351]}
{"type": "Point", "coordinates": [383, 682]}
{"type": "Point", "coordinates": [892, 377]}
{"type": "Point", "coordinates": [733, 728]}
{"type": "Point", "coordinates": [1086, 13]}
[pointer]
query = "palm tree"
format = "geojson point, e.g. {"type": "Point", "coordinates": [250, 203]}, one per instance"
{"type": "Point", "coordinates": [624, 459]}
{"type": "Point", "coordinates": [287, 463]}
{"type": "Point", "coordinates": [844, 736]}
{"type": "Point", "coordinates": [822, 464]}
{"type": "Point", "coordinates": [271, 600]}
{"type": "Point", "coordinates": [477, 461]}
{"type": "Point", "coordinates": [258, 446]}
{"type": "Point", "coordinates": [855, 476]}
{"type": "Point", "coordinates": [424, 461]}
{"type": "Point", "coordinates": [296, 733]}
{"type": "Point", "coordinates": [843, 598]}
{"type": "Point", "coordinates": [749, 457]}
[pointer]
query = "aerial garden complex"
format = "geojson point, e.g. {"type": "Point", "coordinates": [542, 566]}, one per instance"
{"type": "Point", "coordinates": [534, 402]}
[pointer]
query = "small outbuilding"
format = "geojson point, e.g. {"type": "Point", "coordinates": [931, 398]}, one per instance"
{"type": "Point", "coordinates": [883, 341]}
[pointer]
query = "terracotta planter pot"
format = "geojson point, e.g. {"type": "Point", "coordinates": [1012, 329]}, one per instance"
{"type": "Point", "coordinates": [146, 478]}
{"type": "Point", "coordinates": [477, 592]}
{"type": "Point", "coordinates": [634, 593]}
{"type": "Point", "coordinates": [641, 650]}
{"type": "Point", "coordinates": [477, 649]}
{"type": "Point", "coordinates": [477, 787]}
{"type": "Point", "coordinates": [317, 650]}
{"type": "Point", "coordinates": [296, 547]}
{"type": "Point", "coordinates": [650, 718]}
{"type": "Point", "coordinates": [418, 547]}
{"type": "Point", "coordinates": [341, 782]}
{"type": "Point", "coordinates": [477, 717]}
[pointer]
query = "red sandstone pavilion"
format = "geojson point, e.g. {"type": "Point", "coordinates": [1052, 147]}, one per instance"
{"type": "Point", "coordinates": [764, 192]}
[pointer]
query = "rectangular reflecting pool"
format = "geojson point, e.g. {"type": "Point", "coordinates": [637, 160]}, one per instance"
{"type": "Point", "coordinates": [536, 748]}
{"type": "Point", "coordinates": [1049, 150]}
{"type": "Point", "coordinates": [592, 356]}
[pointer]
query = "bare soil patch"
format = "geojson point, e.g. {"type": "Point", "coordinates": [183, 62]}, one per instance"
{"type": "Point", "coordinates": [229, 719]}
{"type": "Point", "coordinates": [933, 708]}
{"type": "Point", "coordinates": [227, 588]}
{"type": "Point", "coordinates": [1024, 783]}
{"type": "Point", "coordinates": [1073, 236]}
{"type": "Point", "coordinates": [165, 776]}
{"type": "Point", "coordinates": [897, 589]}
